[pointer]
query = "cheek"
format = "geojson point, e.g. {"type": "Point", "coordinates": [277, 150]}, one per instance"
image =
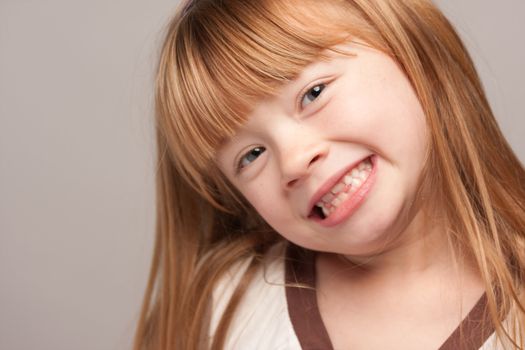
{"type": "Point", "coordinates": [275, 210]}
{"type": "Point", "coordinates": [276, 215]}
{"type": "Point", "coordinates": [389, 121]}
{"type": "Point", "coordinates": [265, 199]}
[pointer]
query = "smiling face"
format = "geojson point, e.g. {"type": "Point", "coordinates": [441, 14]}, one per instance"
{"type": "Point", "coordinates": [332, 163]}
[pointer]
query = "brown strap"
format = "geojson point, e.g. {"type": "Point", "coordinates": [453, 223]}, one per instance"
{"type": "Point", "coordinates": [302, 300]}
{"type": "Point", "coordinates": [311, 332]}
{"type": "Point", "coordinates": [473, 331]}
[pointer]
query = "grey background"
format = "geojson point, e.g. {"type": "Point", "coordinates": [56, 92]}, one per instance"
{"type": "Point", "coordinates": [76, 156]}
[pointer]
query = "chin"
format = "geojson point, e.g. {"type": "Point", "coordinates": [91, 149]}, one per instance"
{"type": "Point", "coordinates": [371, 236]}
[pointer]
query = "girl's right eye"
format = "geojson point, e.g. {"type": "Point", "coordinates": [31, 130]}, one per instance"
{"type": "Point", "coordinates": [249, 157]}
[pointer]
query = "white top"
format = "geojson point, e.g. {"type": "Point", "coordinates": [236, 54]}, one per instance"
{"type": "Point", "coordinates": [261, 320]}
{"type": "Point", "coordinates": [270, 316]}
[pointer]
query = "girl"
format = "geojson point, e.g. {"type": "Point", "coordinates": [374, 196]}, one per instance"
{"type": "Point", "coordinates": [330, 175]}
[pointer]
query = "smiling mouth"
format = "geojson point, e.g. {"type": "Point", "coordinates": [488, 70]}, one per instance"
{"type": "Point", "coordinates": [342, 191]}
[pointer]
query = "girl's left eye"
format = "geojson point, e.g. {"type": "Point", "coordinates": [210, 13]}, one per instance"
{"type": "Point", "coordinates": [249, 157]}
{"type": "Point", "coordinates": [312, 94]}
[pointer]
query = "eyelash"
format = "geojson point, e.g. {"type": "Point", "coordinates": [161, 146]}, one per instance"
{"type": "Point", "coordinates": [302, 96]}
{"type": "Point", "coordinates": [259, 149]}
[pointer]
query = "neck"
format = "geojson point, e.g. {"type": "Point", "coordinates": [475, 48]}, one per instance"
{"type": "Point", "coordinates": [423, 245]}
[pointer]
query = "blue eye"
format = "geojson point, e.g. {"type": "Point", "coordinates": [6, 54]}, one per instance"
{"type": "Point", "coordinates": [250, 156]}
{"type": "Point", "coordinates": [312, 94]}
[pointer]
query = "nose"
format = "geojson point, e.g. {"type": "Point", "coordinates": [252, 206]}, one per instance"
{"type": "Point", "coordinates": [299, 160]}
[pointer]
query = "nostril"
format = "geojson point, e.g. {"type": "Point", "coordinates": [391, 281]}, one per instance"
{"type": "Point", "coordinates": [293, 182]}
{"type": "Point", "coordinates": [314, 159]}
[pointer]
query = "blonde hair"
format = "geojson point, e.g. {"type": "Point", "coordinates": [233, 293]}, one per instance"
{"type": "Point", "coordinates": [219, 57]}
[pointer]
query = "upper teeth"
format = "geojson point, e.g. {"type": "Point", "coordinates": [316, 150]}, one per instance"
{"type": "Point", "coordinates": [344, 188]}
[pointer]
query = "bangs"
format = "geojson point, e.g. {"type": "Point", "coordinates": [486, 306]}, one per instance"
{"type": "Point", "coordinates": [221, 57]}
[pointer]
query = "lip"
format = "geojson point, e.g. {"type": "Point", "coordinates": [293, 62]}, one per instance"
{"type": "Point", "coordinates": [333, 180]}
{"type": "Point", "coordinates": [351, 204]}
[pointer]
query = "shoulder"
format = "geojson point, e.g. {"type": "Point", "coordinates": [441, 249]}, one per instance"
{"type": "Point", "coordinates": [511, 324]}
{"type": "Point", "coordinates": [261, 320]}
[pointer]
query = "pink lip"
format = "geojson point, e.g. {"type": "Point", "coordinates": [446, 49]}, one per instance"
{"type": "Point", "coordinates": [350, 205]}
{"type": "Point", "coordinates": [331, 182]}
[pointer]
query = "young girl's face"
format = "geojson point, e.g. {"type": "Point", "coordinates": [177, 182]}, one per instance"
{"type": "Point", "coordinates": [332, 162]}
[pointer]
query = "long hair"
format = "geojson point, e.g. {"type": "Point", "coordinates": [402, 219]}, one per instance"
{"type": "Point", "coordinates": [220, 57]}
